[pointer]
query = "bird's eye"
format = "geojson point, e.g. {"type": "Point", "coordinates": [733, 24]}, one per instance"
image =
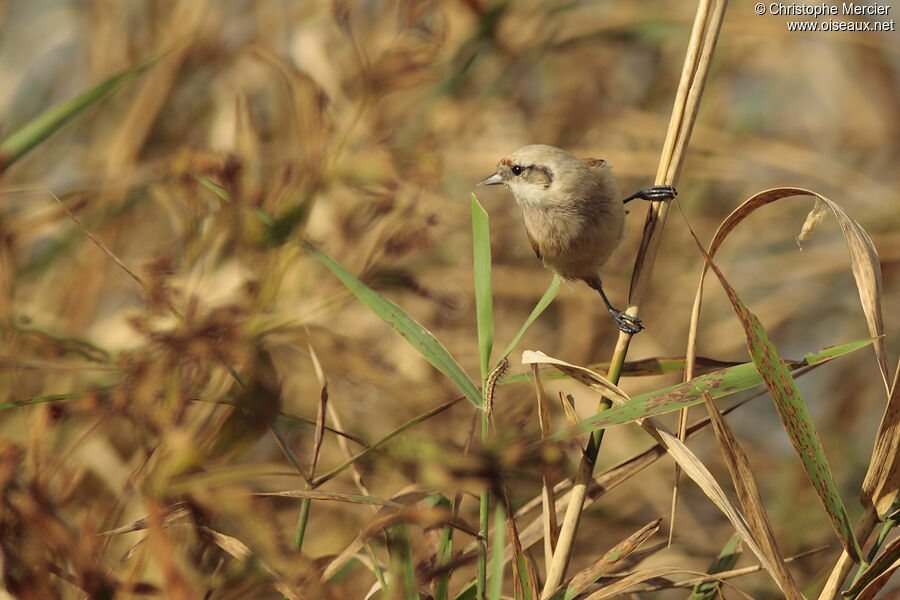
{"type": "Point", "coordinates": [517, 170]}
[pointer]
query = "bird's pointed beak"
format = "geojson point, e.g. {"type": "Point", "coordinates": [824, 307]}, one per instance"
{"type": "Point", "coordinates": [494, 179]}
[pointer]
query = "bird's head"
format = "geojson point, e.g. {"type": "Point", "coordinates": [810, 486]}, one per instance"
{"type": "Point", "coordinates": [538, 174]}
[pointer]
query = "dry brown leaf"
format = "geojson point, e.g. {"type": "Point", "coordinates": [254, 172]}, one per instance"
{"type": "Point", "coordinates": [335, 496]}
{"type": "Point", "coordinates": [643, 575]}
{"type": "Point", "coordinates": [792, 411]}
{"type": "Point", "coordinates": [233, 546]}
{"type": "Point", "coordinates": [162, 547]}
{"type": "Point", "coordinates": [548, 500]}
{"type": "Point", "coordinates": [240, 551]}
{"type": "Point", "coordinates": [520, 558]}
{"type": "Point", "coordinates": [876, 574]}
{"type": "Point", "coordinates": [602, 483]}
{"type": "Point", "coordinates": [875, 586]}
{"type": "Point", "coordinates": [320, 412]}
{"type": "Point", "coordinates": [387, 517]}
{"type": "Point", "coordinates": [732, 573]}
{"type": "Point", "coordinates": [585, 376]}
{"type": "Point", "coordinates": [751, 501]}
{"type": "Point", "coordinates": [883, 477]}
{"type": "Point", "coordinates": [882, 481]}
{"type": "Point", "coordinates": [688, 461]}
{"type": "Point", "coordinates": [320, 430]}
{"type": "Point", "coordinates": [568, 405]}
{"type": "Point", "coordinates": [169, 515]}
{"type": "Point", "coordinates": [609, 561]}
{"type": "Point", "coordinates": [696, 470]}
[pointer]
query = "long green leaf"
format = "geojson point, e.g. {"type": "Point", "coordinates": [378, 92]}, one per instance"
{"type": "Point", "coordinates": [20, 142]}
{"type": "Point", "coordinates": [496, 582]}
{"type": "Point", "coordinates": [484, 304]}
{"type": "Point", "coordinates": [421, 339]}
{"type": "Point", "coordinates": [717, 384]}
{"type": "Point", "coordinates": [469, 592]}
{"type": "Point", "coordinates": [445, 547]}
{"type": "Point", "coordinates": [543, 303]}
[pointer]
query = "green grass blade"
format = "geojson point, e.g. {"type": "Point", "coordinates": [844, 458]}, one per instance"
{"type": "Point", "coordinates": [496, 580]}
{"type": "Point", "coordinates": [376, 566]}
{"type": "Point", "coordinates": [52, 398]}
{"type": "Point", "coordinates": [302, 522]}
{"type": "Point", "coordinates": [725, 561]}
{"type": "Point", "coordinates": [877, 574]}
{"type": "Point", "coordinates": [527, 578]}
{"type": "Point", "coordinates": [484, 304]}
{"type": "Point", "coordinates": [469, 592]}
{"type": "Point", "coordinates": [421, 339]}
{"type": "Point", "coordinates": [403, 568]}
{"type": "Point", "coordinates": [19, 143]}
{"type": "Point", "coordinates": [220, 192]}
{"type": "Point", "coordinates": [484, 502]}
{"type": "Point", "coordinates": [543, 303]}
{"type": "Point", "coordinates": [718, 385]}
{"type": "Point", "coordinates": [318, 481]}
{"type": "Point", "coordinates": [445, 548]}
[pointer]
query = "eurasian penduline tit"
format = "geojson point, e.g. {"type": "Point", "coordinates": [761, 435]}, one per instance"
{"type": "Point", "coordinates": [574, 213]}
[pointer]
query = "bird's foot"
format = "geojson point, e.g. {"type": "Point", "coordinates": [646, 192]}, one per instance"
{"type": "Point", "coordinates": [626, 322]}
{"type": "Point", "coordinates": [653, 193]}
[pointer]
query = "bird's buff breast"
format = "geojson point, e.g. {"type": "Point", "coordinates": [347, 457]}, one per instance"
{"type": "Point", "coordinates": [573, 251]}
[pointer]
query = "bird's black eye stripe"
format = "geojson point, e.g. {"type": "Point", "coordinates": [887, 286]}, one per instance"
{"type": "Point", "coordinates": [516, 169]}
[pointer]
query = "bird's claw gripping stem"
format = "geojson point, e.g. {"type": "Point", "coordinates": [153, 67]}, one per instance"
{"type": "Point", "coordinates": [626, 322]}
{"type": "Point", "coordinates": [656, 192]}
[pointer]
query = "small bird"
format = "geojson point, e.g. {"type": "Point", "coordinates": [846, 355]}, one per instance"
{"type": "Point", "coordinates": [574, 213]}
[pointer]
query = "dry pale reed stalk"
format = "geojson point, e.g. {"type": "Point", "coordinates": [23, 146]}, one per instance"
{"type": "Point", "coordinates": [707, 24]}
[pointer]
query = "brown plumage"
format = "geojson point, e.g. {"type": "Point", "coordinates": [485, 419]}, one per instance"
{"type": "Point", "coordinates": [573, 211]}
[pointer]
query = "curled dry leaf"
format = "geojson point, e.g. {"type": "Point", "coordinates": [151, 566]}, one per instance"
{"type": "Point", "coordinates": [585, 376]}
{"type": "Point", "coordinates": [882, 481]}
{"type": "Point", "coordinates": [863, 261]}
{"type": "Point", "coordinates": [612, 559]}
{"type": "Point", "coordinates": [697, 471]}
{"type": "Point", "coordinates": [751, 501]}
{"type": "Point", "coordinates": [648, 575]}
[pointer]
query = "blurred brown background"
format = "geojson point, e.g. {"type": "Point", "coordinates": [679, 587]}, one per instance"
{"type": "Point", "coordinates": [363, 126]}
